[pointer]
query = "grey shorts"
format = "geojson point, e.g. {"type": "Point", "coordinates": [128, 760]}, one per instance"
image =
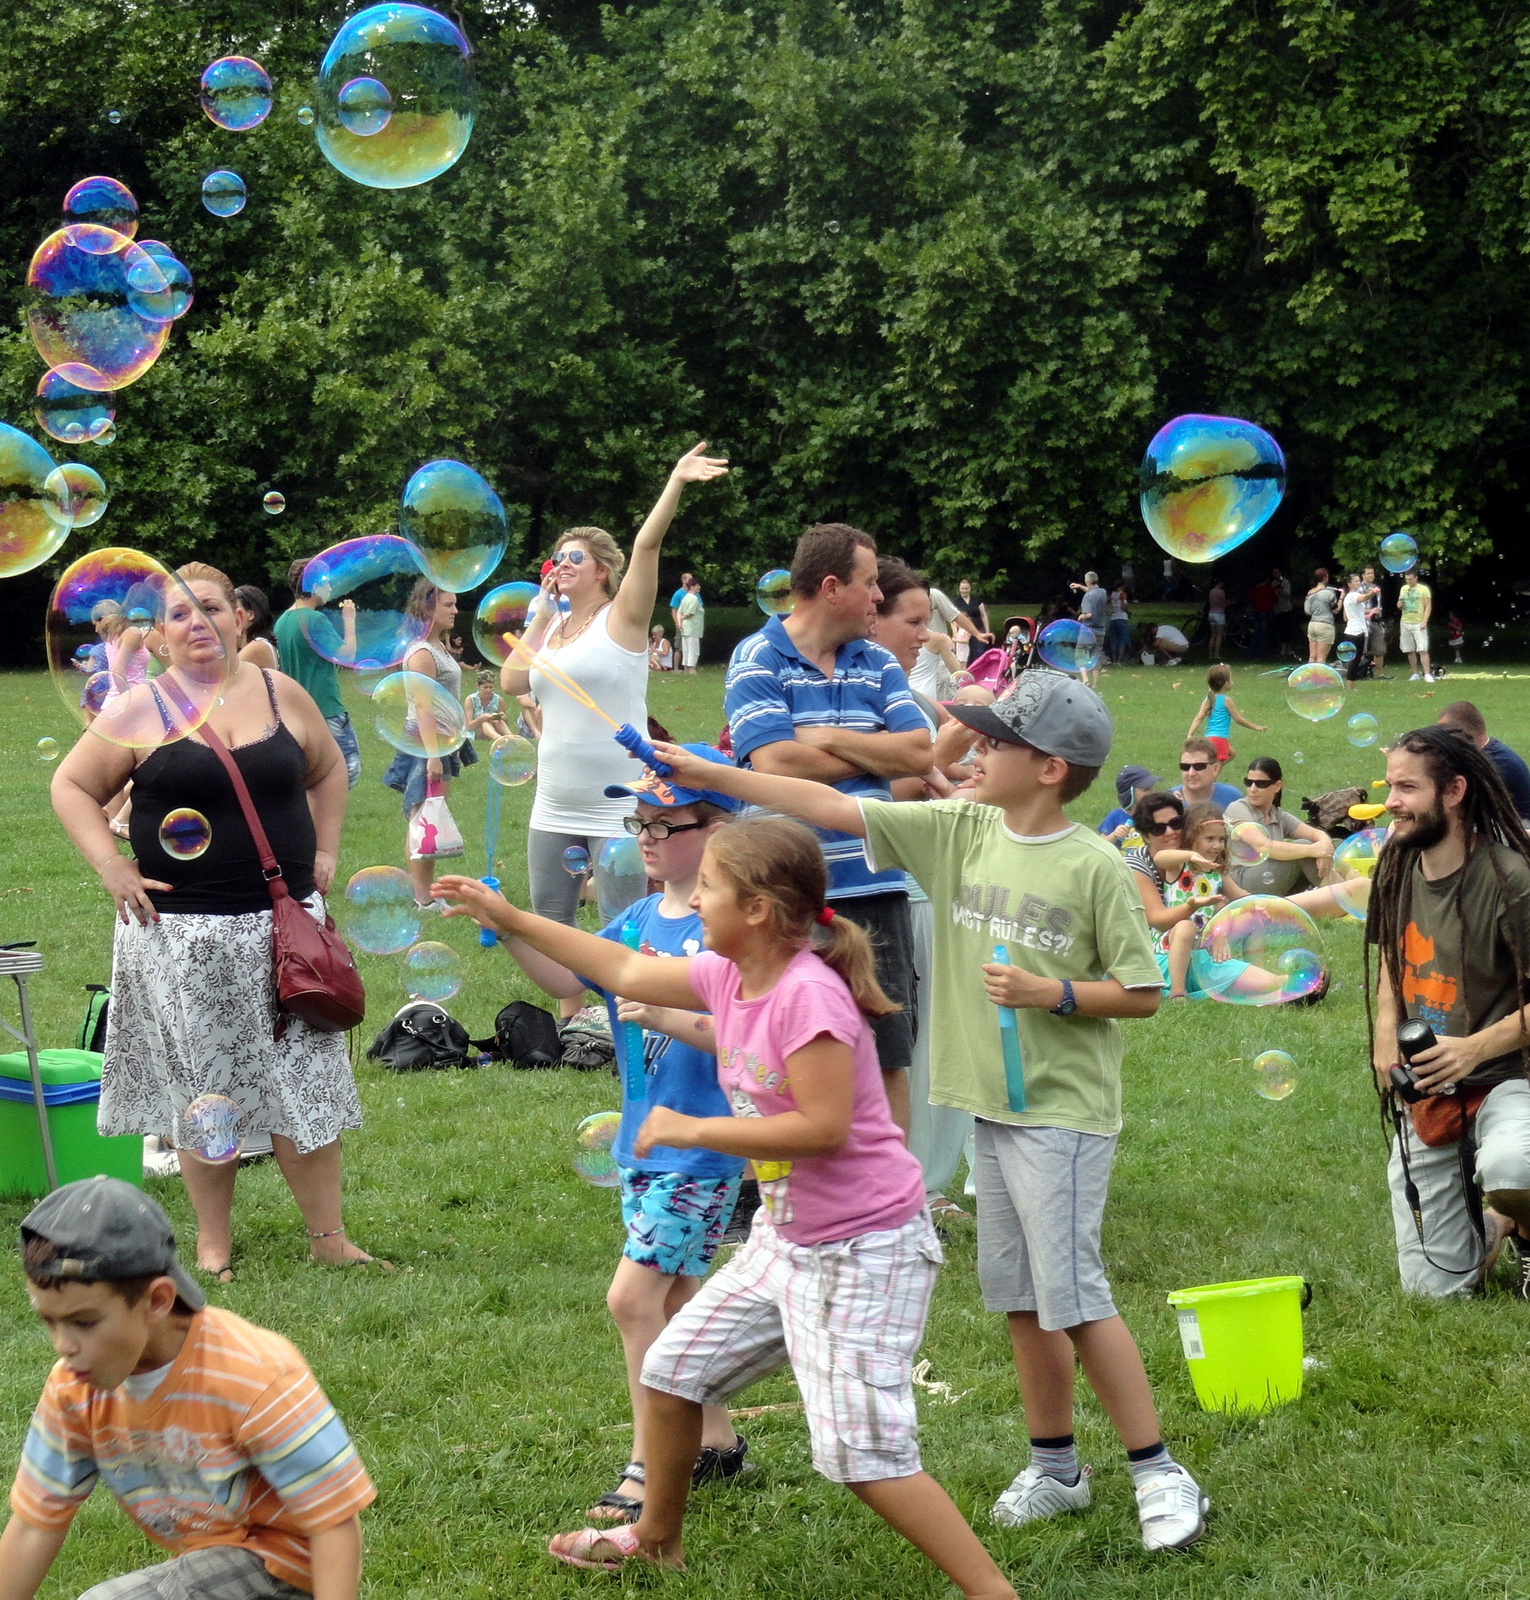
{"type": "Point", "coordinates": [225, 1572]}
{"type": "Point", "coordinates": [1040, 1201]}
{"type": "Point", "coordinates": [887, 923]}
{"type": "Point", "coordinates": [555, 892]}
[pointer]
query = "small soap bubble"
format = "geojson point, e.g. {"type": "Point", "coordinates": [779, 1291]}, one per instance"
{"type": "Point", "coordinates": [1274, 1075]}
{"type": "Point", "coordinates": [236, 93]}
{"type": "Point", "coordinates": [1399, 552]}
{"type": "Point", "coordinates": [1208, 483]}
{"type": "Point", "coordinates": [773, 593]}
{"type": "Point", "coordinates": [305, 116]}
{"type": "Point", "coordinates": [1299, 758]}
{"type": "Point", "coordinates": [576, 861]}
{"type": "Point", "coordinates": [381, 915]}
{"type": "Point", "coordinates": [512, 761]}
{"type": "Point", "coordinates": [274, 503]}
{"type": "Point", "coordinates": [404, 701]}
{"type": "Point", "coordinates": [1315, 691]}
{"type": "Point", "coordinates": [502, 611]}
{"type": "Point", "coordinates": [456, 522]}
{"type": "Point", "coordinates": [961, 680]}
{"type": "Point", "coordinates": [114, 117]}
{"type": "Point", "coordinates": [103, 203]}
{"type": "Point", "coordinates": [211, 1129]}
{"type": "Point", "coordinates": [1344, 651]}
{"type": "Point", "coordinates": [376, 575]}
{"type": "Point", "coordinates": [1259, 950]}
{"type": "Point", "coordinates": [831, 227]}
{"type": "Point", "coordinates": [31, 525]}
{"type": "Point", "coordinates": [76, 494]}
{"type": "Point", "coordinates": [176, 297]}
{"type": "Point", "coordinates": [79, 307]}
{"type": "Point", "coordinates": [364, 107]}
{"type": "Point", "coordinates": [1362, 730]}
{"type": "Point", "coordinates": [106, 435]}
{"type": "Point", "coordinates": [185, 834]}
{"type": "Point", "coordinates": [1069, 646]}
{"type": "Point", "coordinates": [223, 193]}
{"type": "Point", "coordinates": [593, 1139]}
{"type": "Point", "coordinates": [620, 876]}
{"type": "Point", "coordinates": [47, 749]}
{"type": "Point", "coordinates": [432, 971]}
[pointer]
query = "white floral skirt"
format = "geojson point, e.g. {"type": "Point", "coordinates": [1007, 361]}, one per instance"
{"type": "Point", "coordinates": [193, 1012]}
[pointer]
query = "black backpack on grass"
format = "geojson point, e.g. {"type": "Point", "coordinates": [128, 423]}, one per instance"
{"type": "Point", "coordinates": [524, 1035]}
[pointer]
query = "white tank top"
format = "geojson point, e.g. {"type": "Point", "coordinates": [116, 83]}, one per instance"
{"type": "Point", "coordinates": [577, 757]}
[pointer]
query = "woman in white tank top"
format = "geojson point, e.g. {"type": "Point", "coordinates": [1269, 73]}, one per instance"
{"type": "Point", "coordinates": [599, 643]}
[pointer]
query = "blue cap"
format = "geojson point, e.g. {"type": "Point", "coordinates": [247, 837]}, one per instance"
{"type": "Point", "coordinates": [656, 791]}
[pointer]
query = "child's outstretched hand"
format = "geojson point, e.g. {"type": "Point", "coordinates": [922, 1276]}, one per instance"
{"type": "Point", "coordinates": [691, 770]}
{"type": "Point", "coordinates": [470, 898]}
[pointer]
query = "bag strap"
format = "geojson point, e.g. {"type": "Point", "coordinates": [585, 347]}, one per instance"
{"type": "Point", "coordinates": [268, 862]}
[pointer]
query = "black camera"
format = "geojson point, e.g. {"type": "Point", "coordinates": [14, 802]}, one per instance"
{"type": "Point", "coordinates": [1413, 1038]}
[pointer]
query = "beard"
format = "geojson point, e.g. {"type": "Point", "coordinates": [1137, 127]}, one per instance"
{"type": "Point", "coordinates": [1426, 829]}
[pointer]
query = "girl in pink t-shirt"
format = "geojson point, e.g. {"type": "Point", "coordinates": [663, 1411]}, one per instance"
{"type": "Point", "coordinates": [837, 1275]}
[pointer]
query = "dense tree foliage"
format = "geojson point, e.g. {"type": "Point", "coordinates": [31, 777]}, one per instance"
{"type": "Point", "coordinates": [940, 269]}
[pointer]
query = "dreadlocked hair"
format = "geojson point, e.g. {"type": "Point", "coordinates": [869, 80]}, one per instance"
{"type": "Point", "coordinates": [1488, 818]}
{"type": "Point", "coordinates": [779, 861]}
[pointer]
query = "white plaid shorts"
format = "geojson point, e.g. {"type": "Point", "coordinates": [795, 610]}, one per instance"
{"type": "Point", "coordinates": [223, 1572]}
{"type": "Point", "coordinates": [848, 1317]}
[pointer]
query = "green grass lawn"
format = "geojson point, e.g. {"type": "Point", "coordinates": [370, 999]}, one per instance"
{"type": "Point", "coordinates": [483, 1383]}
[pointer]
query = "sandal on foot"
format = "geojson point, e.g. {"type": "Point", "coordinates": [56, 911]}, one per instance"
{"type": "Point", "coordinates": [582, 1549]}
{"type": "Point", "coordinates": [944, 1209]}
{"type": "Point", "coordinates": [713, 1465]}
{"type": "Point", "coordinates": [617, 1507]}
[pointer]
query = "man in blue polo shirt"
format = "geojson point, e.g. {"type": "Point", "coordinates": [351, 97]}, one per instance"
{"type": "Point", "coordinates": [809, 696]}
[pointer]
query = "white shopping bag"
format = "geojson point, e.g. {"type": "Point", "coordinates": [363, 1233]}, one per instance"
{"type": "Point", "coordinates": [432, 832]}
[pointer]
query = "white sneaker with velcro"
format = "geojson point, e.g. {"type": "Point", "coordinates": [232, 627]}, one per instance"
{"type": "Point", "coordinates": [1172, 1510]}
{"type": "Point", "coordinates": [1035, 1494]}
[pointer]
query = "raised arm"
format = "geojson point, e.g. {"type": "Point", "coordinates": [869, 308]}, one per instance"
{"type": "Point", "coordinates": [811, 801]}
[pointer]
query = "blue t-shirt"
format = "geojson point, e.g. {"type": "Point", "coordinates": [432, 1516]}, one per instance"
{"type": "Point", "coordinates": [678, 596]}
{"type": "Point", "coordinates": [772, 690]}
{"type": "Point", "coordinates": [1222, 793]}
{"type": "Point", "coordinates": [1113, 820]}
{"type": "Point", "coordinates": [1513, 771]}
{"type": "Point", "coordinates": [678, 1075]}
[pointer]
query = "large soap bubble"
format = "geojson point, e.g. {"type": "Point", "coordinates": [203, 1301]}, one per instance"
{"type": "Point", "coordinates": [77, 494]}
{"type": "Point", "coordinates": [456, 522]}
{"type": "Point", "coordinates": [1354, 866]}
{"type": "Point", "coordinates": [1069, 646]}
{"type": "Point", "coordinates": [620, 876]}
{"type": "Point", "coordinates": [1399, 552]}
{"type": "Point", "coordinates": [381, 915]}
{"type": "Point", "coordinates": [364, 107]}
{"type": "Point", "coordinates": [421, 62]}
{"type": "Point", "coordinates": [1209, 483]}
{"type": "Point", "coordinates": [502, 611]}
{"type": "Point", "coordinates": [211, 1128]}
{"type": "Point", "coordinates": [79, 310]}
{"type": "Point", "coordinates": [432, 971]}
{"type": "Point", "coordinates": [375, 575]}
{"type": "Point", "coordinates": [72, 412]}
{"type": "Point", "coordinates": [1315, 691]}
{"type": "Point", "coordinates": [174, 300]}
{"type": "Point", "coordinates": [593, 1139]}
{"type": "Point", "coordinates": [31, 526]}
{"type": "Point", "coordinates": [118, 599]}
{"type": "Point", "coordinates": [236, 93]}
{"type": "Point", "coordinates": [407, 706]}
{"type": "Point", "coordinates": [1259, 951]}
{"type": "Point", "coordinates": [102, 203]}
{"type": "Point", "coordinates": [1247, 844]}
{"type": "Point", "coordinates": [223, 193]}
{"type": "Point", "coordinates": [512, 761]}
{"type": "Point", "coordinates": [773, 593]}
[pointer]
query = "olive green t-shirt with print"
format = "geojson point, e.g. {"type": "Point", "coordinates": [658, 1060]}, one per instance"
{"type": "Point", "coordinates": [1066, 907]}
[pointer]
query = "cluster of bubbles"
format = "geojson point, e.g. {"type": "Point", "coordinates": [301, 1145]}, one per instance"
{"type": "Point", "coordinates": [773, 593]}
{"type": "Point", "coordinates": [211, 1128]}
{"type": "Point", "coordinates": [41, 502]}
{"type": "Point", "coordinates": [1208, 483]}
{"type": "Point", "coordinates": [1259, 950]}
{"type": "Point", "coordinates": [1399, 552]}
{"type": "Point", "coordinates": [1315, 691]}
{"type": "Point", "coordinates": [593, 1139]}
{"type": "Point", "coordinates": [1274, 1075]}
{"type": "Point", "coordinates": [185, 834]}
{"type": "Point", "coordinates": [1362, 730]}
{"type": "Point", "coordinates": [1069, 646]}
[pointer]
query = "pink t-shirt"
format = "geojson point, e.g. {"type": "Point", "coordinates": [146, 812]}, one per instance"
{"type": "Point", "coordinates": [873, 1182]}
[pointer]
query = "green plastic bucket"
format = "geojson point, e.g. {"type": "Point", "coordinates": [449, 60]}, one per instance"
{"type": "Point", "coordinates": [71, 1082]}
{"type": "Point", "coordinates": [1243, 1341]}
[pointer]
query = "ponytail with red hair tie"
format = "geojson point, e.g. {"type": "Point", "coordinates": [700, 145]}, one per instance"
{"type": "Point", "coordinates": [826, 916]}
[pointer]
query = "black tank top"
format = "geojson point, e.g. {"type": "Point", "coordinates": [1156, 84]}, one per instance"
{"type": "Point", "coordinates": [226, 880]}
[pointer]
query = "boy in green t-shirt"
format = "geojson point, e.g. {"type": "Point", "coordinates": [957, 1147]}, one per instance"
{"type": "Point", "coordinates": [1011, 870]}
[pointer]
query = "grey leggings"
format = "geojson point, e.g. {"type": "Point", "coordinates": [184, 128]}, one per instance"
{"type": "Point", "coordinates": [554, 890]}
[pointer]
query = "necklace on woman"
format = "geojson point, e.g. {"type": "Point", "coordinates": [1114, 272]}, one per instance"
{"type": "Point", "coordinates": [565, 638]}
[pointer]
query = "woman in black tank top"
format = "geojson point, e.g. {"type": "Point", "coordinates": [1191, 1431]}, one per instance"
{"type": "Point", "coordinates": [193, 1011]}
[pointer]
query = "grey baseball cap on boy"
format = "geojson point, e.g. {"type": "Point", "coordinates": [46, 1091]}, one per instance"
{"type": "Point", "coordinates": [104, 1228]}
{"type": "Point", "coordinates": [1051, 713]}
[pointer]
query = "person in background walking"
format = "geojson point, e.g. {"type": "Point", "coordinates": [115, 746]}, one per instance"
{"type": "Point", "coordinates": [1118, 644]}
{"type": "Point", "coordinates": [321, 678]}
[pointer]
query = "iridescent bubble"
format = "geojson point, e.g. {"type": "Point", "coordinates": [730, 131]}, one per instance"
{"type": "Point", "coordinates": [376, 575]}
{"type": "Point", "coordinates": [1344, 651]}
{"type": "Point", "coordinates": [432, 971]}
{"type": "Point", "coordinates": [576, 861]}
{"type": "Point", "coordinates": [408, 706]}
{"type": "Point", "coordinates": [1247, 845]}
{"type": "Point", "coordinates": [423, 59]}
{"type": "Point", "coordinates": [773, 593]}
{"type": "Point", "coordinates": [305, 116]}
{"type": "Point", "coordinates": [47, 749]}
{"type": "Point", "coordinates": [273, 503]}
{"type": "Point", "coordinates": [1274, 1075]}
{"type": "Point", "coordinates": [962, 680]}
{"type": "Point", "coordinates": [76, 494]}
{"type": "Point", "coordinates": [620, 876]}
{"type": "Point", "coordinates": [1354, 868]}
{"type": "Point", "coordinates": [117, 599]}
{"type": "Point", "coordinates": [211, 1128]}
{"type": "Point", "coordinates": [456, 522]}
{"type": "Point", "coordinates": [114, 117]}
{"type": "Point", "coordinates": [223, 193]}
{"type": "Point", "coordinates": [79, 310]}
{"type": "Point", "coordinates": [185, 834]}
{"type": "Point", "coordinates": [364, 107]}
{"type": "Point", "coordinates": [1315, 691]}
{"type": "Point", "coordinates": [381, 915]}
{"type": "Point", "coordinates": [1069, 646]}
{"type": "Point", "coordinates": [593, 1139]}
{"type": "Point", "coordinates": [512, 760]}
{"type": "Point", "coordinates": [1399, 552]}
{"type": "Point", "coordinates": [174, 299]}
{"type": "Point", "coordinates": [1362, 730]}
{"type": "Point", "coordinates": [1209, 483]}
{"type": "Point", "coordinates": [1298, 758]}
{"type": "Point", "coordinates": [502, 611]}
{"type": "Point", "coordinates": [69, 411]}
{"type": "Point", "coordinates": [106, 435]}
{"type": "Point", "coordinates": [1259, 951]}
{"type": "Point", "coordinates": [103, 203]}
{"type": "Point", "coordinates": [236, 93]}
{"type": "Point", "coordinates": [367, 681]}
{"type": "Point", "coordinates": [31, 528]}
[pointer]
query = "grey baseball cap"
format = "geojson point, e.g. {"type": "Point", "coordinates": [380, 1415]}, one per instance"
{"type": "Point", "coordinates": [104, 1228]}
{"type": "Point", "coordinates": [1051, 713]}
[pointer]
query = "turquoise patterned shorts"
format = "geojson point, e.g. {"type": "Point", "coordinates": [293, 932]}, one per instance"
{"type": "Point", "coordinates": [674, 1221]}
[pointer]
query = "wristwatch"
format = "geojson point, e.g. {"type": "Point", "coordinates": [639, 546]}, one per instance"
{"type": "Point", "coordinates": [1067, 1005]}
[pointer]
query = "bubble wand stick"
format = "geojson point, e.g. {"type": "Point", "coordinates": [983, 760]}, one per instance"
{"type": "Point", "coordinates": [1009, 1037]}
{"type": "Point", "coordinates": [486, 936]}
{"type": "Point", "coordinates": [632, 1034]}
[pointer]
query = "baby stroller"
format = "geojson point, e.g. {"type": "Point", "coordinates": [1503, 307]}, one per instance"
{"type": "Point", "coordinates": [996, 669]}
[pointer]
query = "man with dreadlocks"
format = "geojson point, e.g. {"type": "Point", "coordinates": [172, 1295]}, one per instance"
{"type": "Point", "coordinates": [1450, 914]}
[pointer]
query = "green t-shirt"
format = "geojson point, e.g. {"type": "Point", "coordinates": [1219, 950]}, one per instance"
{"type": "Point", "coordinates": [1411, 601]}
{"type": "Point", "coordinates": [298, 659]}
{"type": "Point", "coordinates": [1066, 907]}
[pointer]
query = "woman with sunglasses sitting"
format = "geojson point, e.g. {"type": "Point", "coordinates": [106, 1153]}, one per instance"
{"type": "Point", "coordinates": [1296, 853]}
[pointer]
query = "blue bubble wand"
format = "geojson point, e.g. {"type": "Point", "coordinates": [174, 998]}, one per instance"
{"type": "Point", "coordinates": [487, 936]}
{"type": "Point", "coordinates": [632, 1034]}
{"type": "Point", "coordinates": [1009, 1037]}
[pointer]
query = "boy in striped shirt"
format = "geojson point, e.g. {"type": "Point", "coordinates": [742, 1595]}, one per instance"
{"type": "Point", "coordinates": [212, 1433]}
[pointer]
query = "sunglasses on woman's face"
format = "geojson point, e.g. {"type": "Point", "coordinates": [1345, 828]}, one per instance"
{"type": "Point", "coordinates": [574, 558]}
{"type": "Point", "coordinates": [1252, 782]}
{"type": "Point", "coordinates": [1193, 766]}
{"type": "Point", "coordinates": [1156, 828]}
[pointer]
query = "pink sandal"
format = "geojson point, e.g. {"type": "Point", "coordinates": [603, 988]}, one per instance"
{"type": "Point", "coordinates": [578, 1549]}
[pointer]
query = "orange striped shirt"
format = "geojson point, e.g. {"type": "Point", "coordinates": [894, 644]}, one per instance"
{"type": "Point", "coordinates": [238, 1445]}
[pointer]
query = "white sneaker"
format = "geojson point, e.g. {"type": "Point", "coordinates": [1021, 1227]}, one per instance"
{"type": "Point", "coordinates": [1172, 1510]}
{"type": "Point", "coordinates": [1413, 677]}
{"type": "Point", "coordinates": [1034, 1495]}
{"type": "Point", "coordinates": [1428, 677]}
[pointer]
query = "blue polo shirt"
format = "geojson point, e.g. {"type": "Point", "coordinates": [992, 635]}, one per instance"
{"type": "Point", "coordinates": [773, 689]}
{"type": "Point", "coordinates": [1513, 771]}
